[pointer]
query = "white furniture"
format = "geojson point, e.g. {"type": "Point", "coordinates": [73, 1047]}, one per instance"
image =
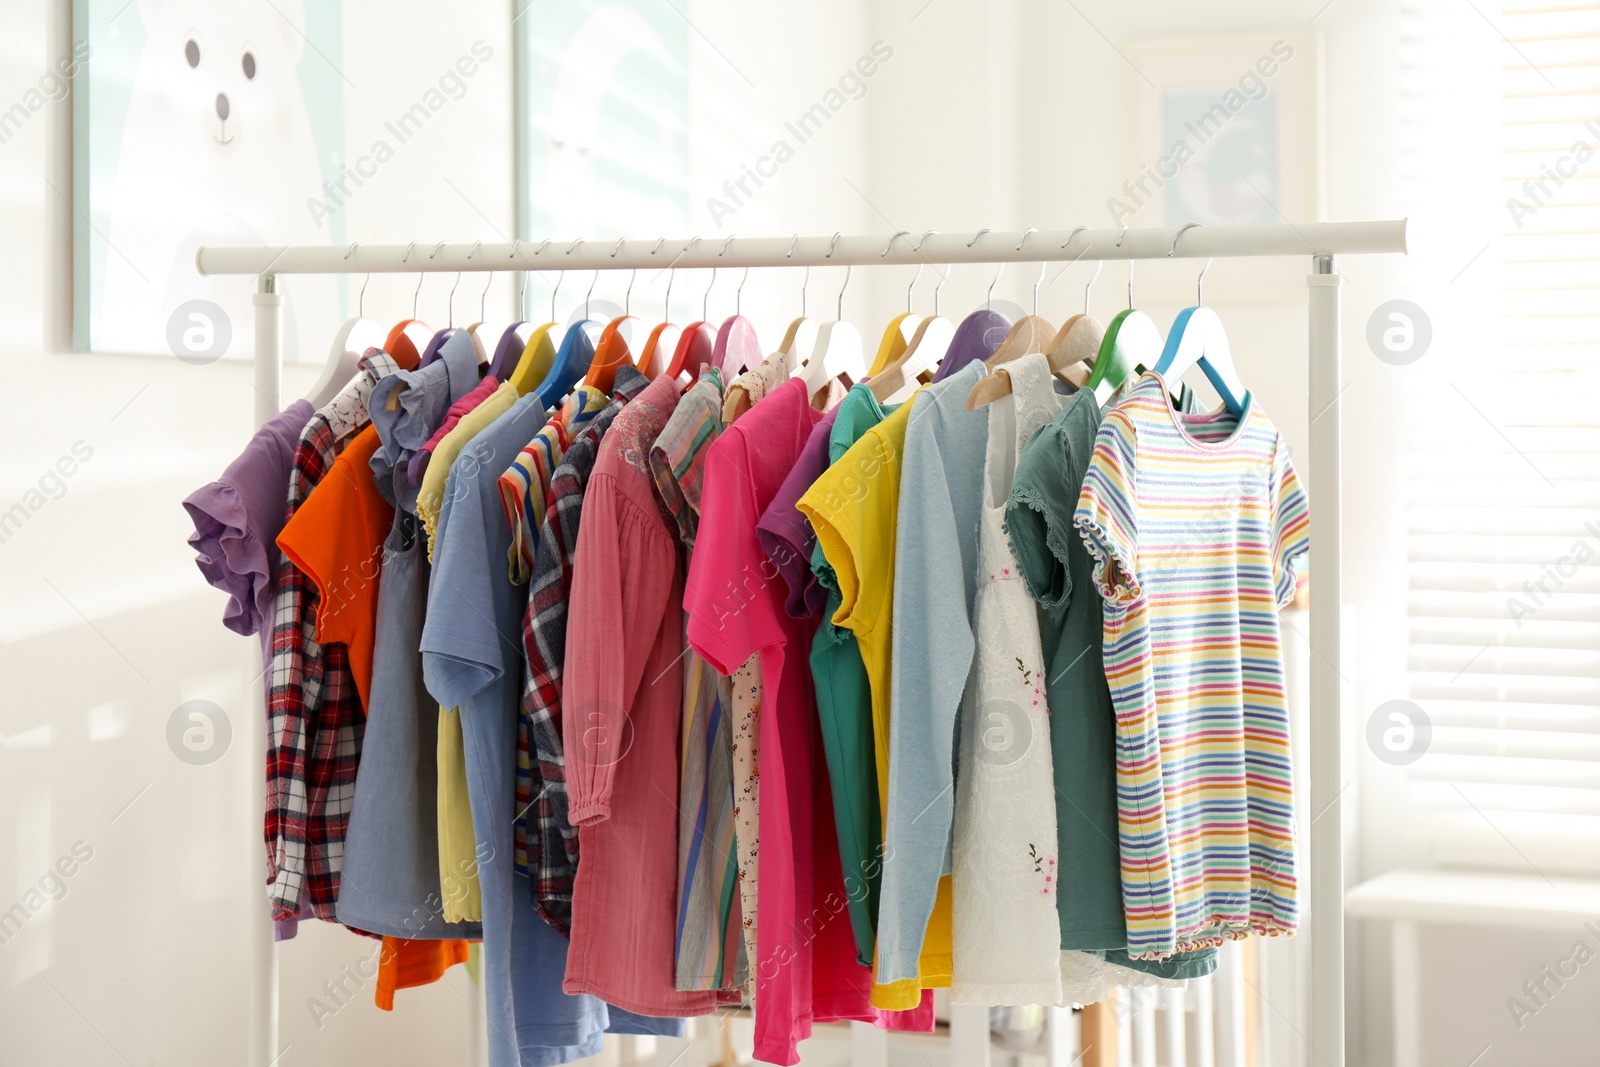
{"type": "Point", "coordinates": [1507, 901]}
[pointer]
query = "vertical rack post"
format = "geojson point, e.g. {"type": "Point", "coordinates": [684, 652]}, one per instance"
{"type": "Point", "coordinates": [1326, 903]}
{"type": "Point", "coordinates": [262, 954]}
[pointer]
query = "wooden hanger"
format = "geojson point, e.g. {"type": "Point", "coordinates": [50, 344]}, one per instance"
{"type": "Point", "coordinates": [1029, 333]}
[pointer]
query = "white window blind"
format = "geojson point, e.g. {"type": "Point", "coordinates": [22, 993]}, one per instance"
{"type": "Point", "coordinates": [1503, 436]}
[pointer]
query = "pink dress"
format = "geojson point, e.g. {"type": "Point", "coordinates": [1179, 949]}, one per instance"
{"type": "Point", "coordinates": [623, 704]}
{"type": "Point", "coordinates": [805, 967]}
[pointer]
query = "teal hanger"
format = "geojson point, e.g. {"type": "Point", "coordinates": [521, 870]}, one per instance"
{"type": "Point", "coordinates": [1197, 336]}
{"type": "Point", "coordinates": [1131, 339]}
{"type": "Point", "coordinates": [575, 354]}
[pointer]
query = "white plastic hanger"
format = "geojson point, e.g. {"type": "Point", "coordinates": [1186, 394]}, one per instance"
{"type": "Point", "coordinates": [350, 343]}
{"type": "Point", "coordinates": [838, 347]}
{"type": "Point", "coordinates": [896, 382]}
{"type": "Point", "coordinates": [1131, 340]}
{"type": "Point", "coordinates": [1197, 336]}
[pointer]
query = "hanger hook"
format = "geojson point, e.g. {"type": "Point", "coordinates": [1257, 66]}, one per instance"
{"type": "Point", "coordinates": [1077, 230]}
{"type": "Point", "coordinates": [450, 319]}
{"type": "Point", "coordinates": [1036, 283]}
{"type": "Point", "coordinates": [1175, 237]}
{"type": "Point", "coordinates": [436, 248]}
{"type": "Point", "coordinates": [590, 292]}
{"type": "Point", "coordinates": [897, 233]}
{"type": "Point", "coordinates": [738, 294]}
{"type": "Point", "coordinates": [627, 295]}
{"type": "Point", "coordinates": [790, 254]}
{"type": "Point", "coordinates": [839, 312]}
{"type": "Point", "coordinates": [418, 292]}
{"type": "Point", "coordinates": [977, 235]}
{"type": "Point", "coordinates": [918, 251]}
{"type": "Point", "coordinates": [617, 249]}
{"type": "Point", "coordinates": [361, 300]}
{"type": "Point", "coordinates": [1099, 266]}
{"type": "Point", "coordinates": [833, 244]}
{"type": "Point", "coordinates": [659, 242]}
{"type": "Point", "coordinates": [988, 299]}
{"type": "Point", "coordinates": [1120, 235]}
{"type": "Point", "coordinates": [1025, 233]}
{"type": "Point", "coordinates": [560, 276]}
{"type": "Point", "coordinates": [666, 305]}
{"type": "Point", "coordinates": [1198, 299]}
{"type": "Point", "coordinates": [725, 245]}
{"type": "Point", "coordinates": [576, 245]}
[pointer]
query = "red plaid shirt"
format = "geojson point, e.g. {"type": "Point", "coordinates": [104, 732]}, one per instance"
{"type": "Point", "coordinates": [546, 838]}
{"type": "Point", "coordinates": [314, 719]}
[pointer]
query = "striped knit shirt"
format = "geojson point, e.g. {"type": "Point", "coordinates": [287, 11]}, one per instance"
{"type": "Point", "coordinates": [1194, 522]}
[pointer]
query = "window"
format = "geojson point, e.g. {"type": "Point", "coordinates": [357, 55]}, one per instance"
{"type": "Point", "coordinates": [1503, 443]}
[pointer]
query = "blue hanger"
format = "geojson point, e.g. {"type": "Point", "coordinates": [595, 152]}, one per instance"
{"type": "Point", "coordinates": [1197, 336]}
{"type": "Point", "coordinates": [979, 334]}
{"type": "Point", "coordinates": [574, 355]}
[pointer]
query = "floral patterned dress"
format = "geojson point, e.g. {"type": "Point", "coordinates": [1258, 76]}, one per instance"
{"type": "Point", "coordinates": [1006, 932]}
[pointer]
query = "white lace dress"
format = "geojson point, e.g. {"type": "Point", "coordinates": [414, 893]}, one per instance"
{"type": "Point", "coordinates": [1006, 935]}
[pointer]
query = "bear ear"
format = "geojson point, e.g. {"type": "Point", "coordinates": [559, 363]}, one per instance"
{"type": "Point", "coordinates": [289, 19]}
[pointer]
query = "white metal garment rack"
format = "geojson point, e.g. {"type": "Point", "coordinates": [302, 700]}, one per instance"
{"type": "Point", "coordinates": [1320, 241]}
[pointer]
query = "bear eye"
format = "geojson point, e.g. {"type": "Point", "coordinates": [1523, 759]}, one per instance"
{"type": "Point", "coordinates": [191, 52]}
{"type": "Point", "coordinates": [249, 63]}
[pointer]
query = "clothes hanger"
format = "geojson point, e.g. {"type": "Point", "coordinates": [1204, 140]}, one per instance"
{"type": "Point", "coordinates": [736, 349]}
{"type": "Point", "coordinates": [1131, 339]}
{"type": "Point", "coordinates": [1197, 336]}
{"type": "Point", "coordinates": [515, 338]}
{"type": "Point", "coordinates": [539, 351]}
{"type": "Point", "coordinates": [576, 351]}
{"type": "Point", "coordinates": [900, 378]}
{"type": "Point", "coordinates": [979, 334]}
{"type": "Point", "coordinates": [350, 343]}
{"type": "Point", "coordinates": [1029, 333]}
{"type": "Point", "coordinates": [901, 329]}
{"type": "Point", "coordinates": [697, 340]}
{"type": "Point", "coordinates": [431, 353]}
{"type": "Point", "coordinates": [408, 337]}
{"type": "Point", "coordinates": [659, 346]}
{"type": "Point", "coordinates": [475, 330]}
{"type": "Point", "coordinates": [612, 351]}
{"type": "Point", "coordinates": [837, 351]}
{"type": "Point", "coordinates": [1072, 351]}
{"type": "Point", "coordinates": [1076, 344]}
{"type": "Point", "coordinates": [801, 336]}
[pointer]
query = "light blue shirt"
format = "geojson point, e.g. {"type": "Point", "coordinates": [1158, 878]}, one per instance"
{"type": "Point", "coordinates": [472, 660]}
{"type": "Point", "coordinates": [935, 586]}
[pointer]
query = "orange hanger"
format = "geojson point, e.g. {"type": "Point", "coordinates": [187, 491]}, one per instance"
{"type": "Point", "coordinates": [699, 339]}
{"type": "Point", "coordinates": [612, 352]}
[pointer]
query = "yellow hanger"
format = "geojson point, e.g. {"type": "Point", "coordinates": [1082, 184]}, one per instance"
{"type": "Point", "coordinates": [539, 354]}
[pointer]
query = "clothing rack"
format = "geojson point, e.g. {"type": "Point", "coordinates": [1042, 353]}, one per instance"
{"type": "Point", "coordinates": [1320, 241]}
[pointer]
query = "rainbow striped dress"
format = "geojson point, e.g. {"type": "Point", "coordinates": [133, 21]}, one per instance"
{"type": "Point", "coordinates": [1194, 522]}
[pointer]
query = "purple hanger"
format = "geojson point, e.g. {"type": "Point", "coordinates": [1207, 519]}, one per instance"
{"type": "Point", "coordinates": [979, 334]}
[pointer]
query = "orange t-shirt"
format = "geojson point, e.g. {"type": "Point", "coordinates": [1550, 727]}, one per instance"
{"type": "Point", "coordinates": [403, 963]}
{"type": "Point", "coordinates": [336, 537]}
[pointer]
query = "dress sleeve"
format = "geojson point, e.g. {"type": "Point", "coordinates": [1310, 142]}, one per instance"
{"type": "Point", "coordinates": [1106, 516]}
{"type": "Point", "coordinates": [728, 621]}
{"type": "Point", "coordinates": [1039, 517]}
{"type": "Point", "coordinates": [622, 576]}
{"type": "Point", "coordinates": [932, 649]}
{"type": "Point", "coordinates": [1291, 524]}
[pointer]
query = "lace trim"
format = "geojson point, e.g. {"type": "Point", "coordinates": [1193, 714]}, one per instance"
{"type": "Point", "coordinates": [1093, 536]}
{"type": "Point", "coordinates": [1033, 500]}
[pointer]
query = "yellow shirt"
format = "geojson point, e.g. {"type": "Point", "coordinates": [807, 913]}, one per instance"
{"type": "Point", "coordinates": [430, 495]}
{"type": "Point", "coordinates": [853, 507]}
{"type": "Point", "coordinates": [458, 859]}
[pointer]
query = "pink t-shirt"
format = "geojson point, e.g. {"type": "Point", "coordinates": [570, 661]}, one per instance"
{"type": "Point", "coordinates": [807, 970]}
{"type": "Point", "coordinates": [623, 704]}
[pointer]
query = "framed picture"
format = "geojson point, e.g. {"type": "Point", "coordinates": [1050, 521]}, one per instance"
{"type": "Point", "coordinates": [1225, 130]}
{"type": "Point", "coordinates": [200, 124]}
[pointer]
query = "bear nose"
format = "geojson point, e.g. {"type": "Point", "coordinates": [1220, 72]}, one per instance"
{"type": "Point", "coordinates": [222, 106]}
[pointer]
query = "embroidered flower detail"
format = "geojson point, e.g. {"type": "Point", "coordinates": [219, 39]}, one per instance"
{"type": "Point", "coordinates": [1027, 675]}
